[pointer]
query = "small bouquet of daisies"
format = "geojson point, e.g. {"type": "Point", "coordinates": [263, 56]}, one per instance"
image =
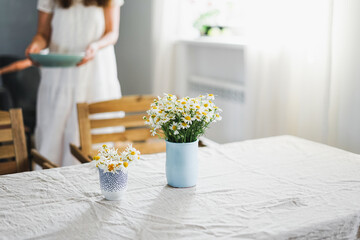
{"type": "Point", "coordinates": [109, 160]}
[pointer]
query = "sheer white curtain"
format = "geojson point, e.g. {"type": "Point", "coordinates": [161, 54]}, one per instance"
{"type": "Point", "coordinates": [288, 64]}
{"type": "Point", "coordinates": [302, 73]}
{"type": "Point", "coordinates": [344, 112]}
{"type": "Point", "coordinates": [302, 70]}
{"type": "Point", "coordinates": [166, 18]}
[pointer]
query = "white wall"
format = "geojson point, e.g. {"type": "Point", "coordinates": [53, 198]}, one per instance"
{"type": "Point", "coordinates": [218, 68]}
{"type": "Point", "coordinates": [17, 25]}
{"type": "Point", "coordinates": [133, 50]}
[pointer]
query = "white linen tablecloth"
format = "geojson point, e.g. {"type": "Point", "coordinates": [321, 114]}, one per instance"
{"type": "Point", "coordinates": [273, 188]}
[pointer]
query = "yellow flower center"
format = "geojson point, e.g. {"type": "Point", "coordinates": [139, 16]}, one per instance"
{"type": "Point", "coordinates": [206, 105]}
{"type": "Point", "coordinates": [184, 124]}
{"type": "Point", "coordinates": [198, 107]}
{"type": "Point", "coordinates": [104, 146]}
{"type": "Point", "coordinates": [174, 127]}
{"type": "Point", "coordinates": [111, 167]}
{"type": "Point", "coordinates": [188, 118]}
{"type": "Point", "coordinates": [96, 158]}
{"type": "Point", "coordinates": [126, 164]}
{"type": "Point", "coordinates": [133, 153]}
{"type": "Point", "coordinates": [183, 103]}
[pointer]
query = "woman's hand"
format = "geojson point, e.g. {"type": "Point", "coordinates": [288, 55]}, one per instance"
{"type": "Point", "coordinates": [32, 48]}
{"type": "Point", "coordinates": [42, 38]}
{"type": "Point", "coordinates": [90, 53]}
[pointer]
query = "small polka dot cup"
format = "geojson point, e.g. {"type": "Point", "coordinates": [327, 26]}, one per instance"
{"type": "Point", "coordinates": [113, 185]}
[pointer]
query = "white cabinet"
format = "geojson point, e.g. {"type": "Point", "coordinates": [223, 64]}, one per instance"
{"type": "Point", "coordinates": [206, 66]}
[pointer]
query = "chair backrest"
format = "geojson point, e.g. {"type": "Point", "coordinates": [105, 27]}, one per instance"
{"type": "Point", "coordinates": [13, 152]}
{"type": "Point", "coordinates": [134, 129]}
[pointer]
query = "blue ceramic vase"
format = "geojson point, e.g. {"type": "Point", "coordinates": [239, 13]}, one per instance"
{"type": "Point", "coordinates": [113, 185]}
{"type": "Point", "coordinates": [182, 164]}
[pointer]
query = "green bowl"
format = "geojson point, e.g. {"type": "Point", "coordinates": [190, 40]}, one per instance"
{"type": "Point", "coordinates": [57, 59]}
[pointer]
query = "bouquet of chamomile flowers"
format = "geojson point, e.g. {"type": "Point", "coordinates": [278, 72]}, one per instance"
{"type": "Point", "coordinates": [182, 120]}
{"type": "Point", "coordinates": [109, 160]}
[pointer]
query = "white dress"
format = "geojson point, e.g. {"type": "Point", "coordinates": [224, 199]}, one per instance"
{"type": "Point", "coordinates": [73, 29]}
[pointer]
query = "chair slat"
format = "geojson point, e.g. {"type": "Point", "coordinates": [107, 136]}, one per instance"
{"type": "Point", "coordinates": [129, 135]}
{"type": "Point", "coordinates": [149, 147]}
{"type": "Point", "coordinates": [127, 121]}
{"type": "Point", "coordinates": [126, 104]}
{"type": "Point", "coordinates": [156, 146]}
{"type": "Point", "coordinates": [8, 167]}
{"type": "Point", "coordinates": [4, 118]}
{"type": "Point", "coordinates": [6, 135]}
{"type": "Point", "coordinates": [7, 151]}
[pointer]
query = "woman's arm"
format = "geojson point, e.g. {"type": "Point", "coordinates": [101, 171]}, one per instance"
{"type": "Point", "coordinates": [43, 34]}
{"type": "Point", "coordinates": [111, 34]}
{"type": "Point", "coordinates": [16, 66]}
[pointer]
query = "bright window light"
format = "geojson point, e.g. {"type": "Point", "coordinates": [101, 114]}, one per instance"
{"type": "Point", "coordinates": [211, 18]}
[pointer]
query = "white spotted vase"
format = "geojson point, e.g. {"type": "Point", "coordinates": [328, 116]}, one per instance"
{"type": "Point", "coordinates": [113, 185]}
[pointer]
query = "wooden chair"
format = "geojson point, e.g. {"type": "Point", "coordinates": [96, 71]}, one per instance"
{"type": "Point", "coordinates": [13, 151]}
{"type": "Point", "coordinates": [135, 130]}
{"type": "Point", "coordinates": [43, 162]}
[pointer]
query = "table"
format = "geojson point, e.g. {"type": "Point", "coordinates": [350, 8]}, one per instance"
{"type": "Point", "coordinates": [272, 188]}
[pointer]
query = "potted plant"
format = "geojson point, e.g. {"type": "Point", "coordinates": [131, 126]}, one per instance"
{"type": "Point", "coordinates": [113, 170]}
{"type": "Point", "coordinates": [181, 122]}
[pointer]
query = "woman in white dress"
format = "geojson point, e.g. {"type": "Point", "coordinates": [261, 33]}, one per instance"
{"type": "Point", "coordinates": [73, 26]}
